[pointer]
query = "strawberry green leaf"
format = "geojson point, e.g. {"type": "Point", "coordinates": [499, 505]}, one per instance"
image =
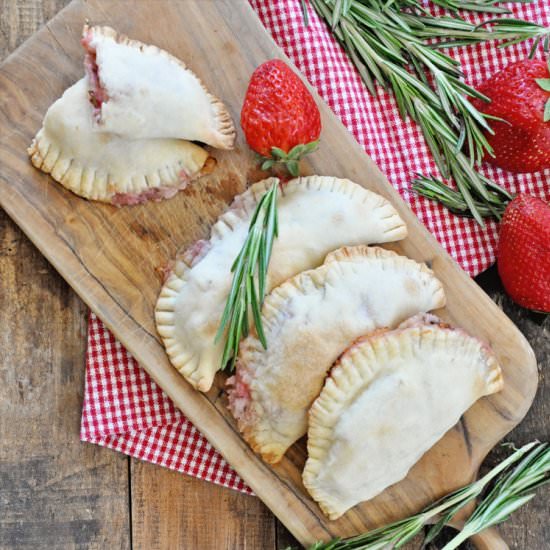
{"type": "Point", "coordinates": [547, 111]}
{"type": "Point", "coordinates": [293, 168]}
{"type": "Point", "coordinates": [544, 83]}
{"type": "Point", "coordinates": [311, 146]}
{"type": "Point", "coordinates": [296, 152]}
{"type": "Point", "coordinates": [267, 164]}
{"type": "Point", "coordinates": [278, 153]}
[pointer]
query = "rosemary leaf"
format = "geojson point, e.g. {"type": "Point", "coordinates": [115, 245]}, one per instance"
{"type": "Point", "coordinates": [305, 13]}
{"type": "Point", "coordinates": [526, 469]}
{"type": "Point", "coordinates": [387, 40]}
{"type": "Point", "coordinates": [246, 296]}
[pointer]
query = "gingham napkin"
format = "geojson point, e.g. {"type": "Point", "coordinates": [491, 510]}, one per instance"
{"type": "Point", "coordinates": [124, 409]}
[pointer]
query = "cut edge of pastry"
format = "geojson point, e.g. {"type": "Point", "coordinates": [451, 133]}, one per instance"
{"type": "Point", "coordinates": [189, 365]}
{"type": "Point", "coordinates": [341, 388]}
{"type": "Point", "coordinates": [269, 450]}
{"type": "Point", "coordinates": [92, 184]}
{"type": "Point", "coordinates": [225, 127]}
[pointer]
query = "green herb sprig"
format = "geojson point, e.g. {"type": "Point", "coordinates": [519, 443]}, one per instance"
{"type": "Point", "coordinates": [249, 279]}
{"type": "Point", "coordinates": [390, 43]}
{"type": "Point", "coordinates": [504, 489]}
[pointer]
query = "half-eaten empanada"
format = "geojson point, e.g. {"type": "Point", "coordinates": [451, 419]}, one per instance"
{"type": "Point", "coordinates": [141, 91]}
{"type": "Point", "coordinates": [316, 215]}
{"type": "Point", "coordinates": [389, 398]}
{"type": "Point", "coordinates": [308, 321]}
{"type": "Point", "coordinates": [106, 167]}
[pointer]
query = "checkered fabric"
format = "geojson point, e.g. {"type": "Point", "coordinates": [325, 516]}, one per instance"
{"type": "Point", "coordinates": [124, 409]}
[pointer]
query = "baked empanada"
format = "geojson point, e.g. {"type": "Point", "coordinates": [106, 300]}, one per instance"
{"type": "Point", "coordinates": [141, 91]}
{"type": "Point", "coordinates": [308, 321]}
{"type": "Point", "coordinates": [106, 167]}
{"type": "Point", "coordinates": [316, 215]}
{"type": "Point", "coordinates": [389, 398]}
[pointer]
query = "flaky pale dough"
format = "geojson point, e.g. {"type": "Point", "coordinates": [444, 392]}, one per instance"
{"type": "Point", "coordinates": [316, 215]}
{"type": "Point", "coordinates": [387, 401]}
{"type": "Point", "coordinates": [308, 321]}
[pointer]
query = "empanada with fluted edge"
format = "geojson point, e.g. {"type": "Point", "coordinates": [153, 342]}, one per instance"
{"type": "Point", "coordinates": [389, 399]}
{"type": "Point", "coordinates": [141, 91]}
{"type": "Point", "coordinates": [316, 215]}
{"type": "Point", "coordinates": [308, 321]}
{"type": "Point", "coordinates": [106, 167]}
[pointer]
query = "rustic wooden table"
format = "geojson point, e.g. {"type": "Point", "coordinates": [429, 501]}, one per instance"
{"type": "Point", "coordinates": [56, 492]}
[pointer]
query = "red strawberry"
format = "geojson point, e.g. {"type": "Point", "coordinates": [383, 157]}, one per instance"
{"type": "Point", "coordinates": [519, 94]}
{"type": "Point", "coordinates": [524, 252]}
{"type": "Point", "coordinates": [279, 117]}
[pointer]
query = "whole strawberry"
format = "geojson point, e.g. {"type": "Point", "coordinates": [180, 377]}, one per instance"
{"type": "Point", "coordinates": [520, 95]}
{"type": "Point", "coordinates": [280, 119]}
{"type": "Point", "coordinates": [524, 252]}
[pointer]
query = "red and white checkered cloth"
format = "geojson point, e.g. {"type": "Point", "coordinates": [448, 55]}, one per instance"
{"type": "Point", "coordinates": [124, 409]}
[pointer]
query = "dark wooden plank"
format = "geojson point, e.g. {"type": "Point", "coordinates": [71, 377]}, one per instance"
{"type": "Point", "coordinates": [54, 491]}
{"type": "Point", "coordinates": [529, 527]}
{"type": "Point", "coordinates": [171, 511]}
{"type": "Point", "coordinates": [21, 18]}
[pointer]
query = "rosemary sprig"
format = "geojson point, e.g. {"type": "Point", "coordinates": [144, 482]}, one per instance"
{"type": "Point", "coordinates": [249, 279]}
{"type": "Point", "coordinates": [508, 494]}
{"type": "Point", "coordinates": [387, 40]}
{"type": "Point", "coordinates": [526, 469]}
{"type": "Point", "coordinates": [435, 189]}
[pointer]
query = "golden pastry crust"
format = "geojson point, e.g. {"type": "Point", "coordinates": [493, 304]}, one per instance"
{"type": "Point", "coordinates": [308, 321]}
{"type": "Point", "coordinates": [365, 367]}
{"type": "Point", "coordinates": [223, 135]}
{"type": "Point", "coordinates": [316, 214]}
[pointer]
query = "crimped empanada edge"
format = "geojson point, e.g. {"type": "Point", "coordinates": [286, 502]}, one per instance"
{"type": "Point", "coordinates": [89, 183]}
{"type": "Point", "coordinates": [275, 302]}
{"type": "Point", "coordinates": [355, 365]}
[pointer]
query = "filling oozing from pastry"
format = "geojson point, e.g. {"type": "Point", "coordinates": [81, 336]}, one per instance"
{"type": "Point", "coordinates": [156, 194]}
{"type": "Point", "coordinates": [153, 194]}
{"type": "Point", "coordinates": [239, 397]}
{"type": "Point", "coordinates": [98, 94]}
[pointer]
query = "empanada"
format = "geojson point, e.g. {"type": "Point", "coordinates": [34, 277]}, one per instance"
{"type": "Point", "coordinates": [316, 215]}
{"type": "Point", "coordinates": [308, 321]}
{"type": "Point", "coordinates": [141, 91]}
{"type": "Point", "coordinates": [106, 167]}
{"type": "Point", "coordinates": [389, 398]}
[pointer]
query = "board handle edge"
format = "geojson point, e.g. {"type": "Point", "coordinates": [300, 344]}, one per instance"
{"type": "Point", "coordinates": [489, 539]}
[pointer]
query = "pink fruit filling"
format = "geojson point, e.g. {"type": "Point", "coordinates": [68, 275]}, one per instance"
{"type": "Point", "coordinates": [238, 393]}
{"type": "Point", "coordinates": [98, 94]}
{"type": "Point", "coordinates": [153, 194]}
{"type": "Point", "coordinates": [196, 252]}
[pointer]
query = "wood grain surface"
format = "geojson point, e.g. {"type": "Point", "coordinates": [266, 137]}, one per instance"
{"type": "Point", "coordinates": [145, 487]}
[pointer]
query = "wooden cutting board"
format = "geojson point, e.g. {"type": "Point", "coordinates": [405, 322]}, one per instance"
{"type": "Point", "coordinates": [112, 257]}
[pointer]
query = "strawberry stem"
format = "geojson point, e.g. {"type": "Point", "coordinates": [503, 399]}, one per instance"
{"type": "Point", "coordinates": [291, 159]}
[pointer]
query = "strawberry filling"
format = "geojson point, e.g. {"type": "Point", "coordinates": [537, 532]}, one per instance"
{"type": "Point", "coordinates": [98, 94]}
{"type": "Point", "coordinates": [238, 393]}
{"type": "Point", "coordinates": [153, 194]}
